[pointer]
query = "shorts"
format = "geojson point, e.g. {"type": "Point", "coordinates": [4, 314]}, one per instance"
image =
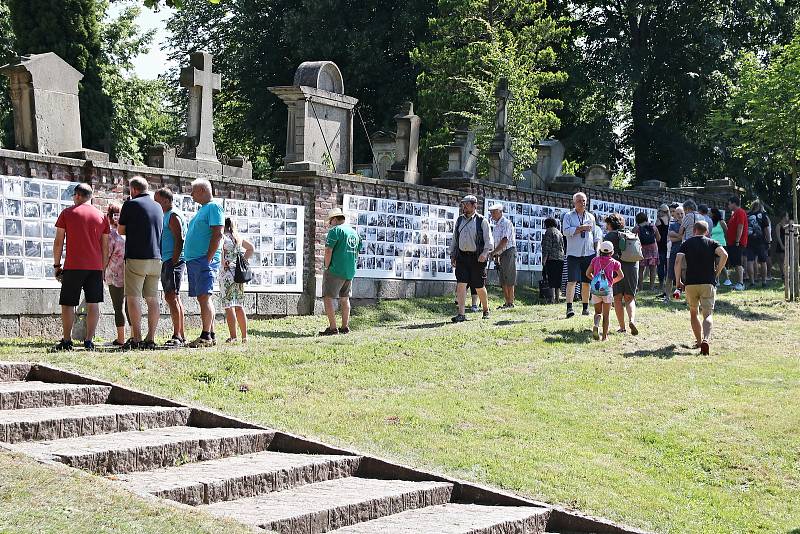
{"type": "Point", "coordinates": [757, 250]}
{"type": "Point", "coordinates": [141, 278]}
{"type": "Point", "coordinates": [336, 287]}
{"type": "Point", "coordinates": [202, 276]}
{"type": "Point", "coordinates": [171, 276]}
{"type": "Point", "coordinates": [507, 267]}
{"type": "Point", "coordinates": [734, 256]}
{"type": "Point", "coordinates": [75, 280]}
{"type": "Point", "coordinates": [607, 299]}
{"type": "Point", "coordinates": [702, 295]}
{"type": "Point", "coordinates": [469, 270]}
{"type": "Point", "coordinates": [577, 267]}
{"type": "Point", "coordinates": [628, 285]}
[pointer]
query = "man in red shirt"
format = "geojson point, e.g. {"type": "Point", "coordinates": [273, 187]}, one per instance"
{"type": "Point", "coordinates": [736, 237]}
{"type": "Point", "coordinates": [86, 231]}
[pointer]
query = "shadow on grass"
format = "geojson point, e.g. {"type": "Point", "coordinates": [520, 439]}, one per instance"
{"type": "Point", "coordinates": [279, 334]}
{"type": "Point", "coordinates": [664, 353]}
{"type": "Point", "coordinates": [507, 322]}
{"type": "Point", "coordinates": [793, 531]}
{"type": "Point", "coordinates": [424, 326]}
{"type": "Point", "coordinates": [724, 307]}
{"type": "Point", "coordinates": [568, 336]}
{"type": "Point", "coordinates": [26, 343]}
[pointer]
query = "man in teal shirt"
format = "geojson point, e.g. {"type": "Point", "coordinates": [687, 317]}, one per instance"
{"type": "Point", "coordinates": [172, 263]}
{"type": "Point", "coordinates": [342, 246]}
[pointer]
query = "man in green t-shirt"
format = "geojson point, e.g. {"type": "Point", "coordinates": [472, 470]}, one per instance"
{"type": "Point", "coordinates": [342, 246]}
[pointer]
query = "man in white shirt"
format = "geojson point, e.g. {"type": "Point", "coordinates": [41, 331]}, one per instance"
{"type": "Point", "coordinates": [578, 227]}
{"type": "Point", "coordinates": [504, 253]}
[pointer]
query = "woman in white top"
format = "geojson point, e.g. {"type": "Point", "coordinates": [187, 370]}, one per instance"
{"type": "Point", "coordinates": [232, 292]}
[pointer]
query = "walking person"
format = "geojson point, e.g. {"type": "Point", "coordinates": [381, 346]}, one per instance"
{"type": "Point", "coordinates": [649, 237]}
{"type": "Point", "coordinates": [231, 291]}
{"type": "Point", "coordinates": [85, 230]}
{"type": "Point", "coordinates": [469, 252]}
{"type": "Point", "coordinates": [504, 254]}
{"type": "Point", "coordinates": [718, 230]}
{"type": "Point", "coordinates": [115, 274]}
{"type": "Point", "coordinates": [173, 264]}
{"type": "Point", "coordinates": [759, 237]}
{"type": "Point", "coordinates": [605, 272]}
{"type": "Point", "coordinates": [736, 238]}
{"type": "Point", "coordinates": [202, 253]}
{"type": "Point", "coordinates": [662, 225]}
{"type": "Point", "coordinates": [675, 240]}
{"type": "Point", "coordinates": [703, 259]}
{"type": "Point", "coordinates": [579, 229]}
{"type": "Point", "coordinates": [141, 221]}
{"type": "Point", "coordinates": [780, 242]}
{"type": "Point", "coordinates": [625, 289]}
{"type": "Point", "coordinates": [553, 256]}
{"type": "Point", "coordinates": [342, 246]}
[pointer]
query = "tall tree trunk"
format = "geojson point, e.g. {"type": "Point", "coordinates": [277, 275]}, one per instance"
{"type": "Point", "coordinates": [638, 28]}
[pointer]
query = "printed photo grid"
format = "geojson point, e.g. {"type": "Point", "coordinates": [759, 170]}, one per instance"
{"type": "Point", "coordinates": [528, 221]}
{"type": "Point", "coordinates": [28, 214]}
{"type": "Point", "coordinates": [601, 209]}
{"type": "Point", "coordinates": [403, 240]}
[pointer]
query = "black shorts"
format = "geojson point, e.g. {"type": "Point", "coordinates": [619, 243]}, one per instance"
{"type": "Point", "coordinates": [470, 271]}
{"type": "Point", "coordinates": [171, 276]}
{"type": "Point", "coordinates": [577, 267]}
{"type": "Point", "coordinates": [757, 250]}
{"type": "Point", "coordinates": [75, 280]}
{"type": "Point", "coordinates": [734, 256]}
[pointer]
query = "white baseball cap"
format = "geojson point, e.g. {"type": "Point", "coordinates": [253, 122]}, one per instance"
{"type": "Point", "coordinates": [607, 247]}
{"type": "Point", "coordinates": [497, 206]}
{"type": "Point", "coordinates": [470, 198]}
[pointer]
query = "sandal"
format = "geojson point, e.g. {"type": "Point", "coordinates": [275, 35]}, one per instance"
{"type": "Point", "coordinates": [232, 341]}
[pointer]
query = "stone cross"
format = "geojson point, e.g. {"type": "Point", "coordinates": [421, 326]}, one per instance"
{"type": "Point", "coordinates": [501, 163]}
{"type": "Point", "coordinates": [202, 83]}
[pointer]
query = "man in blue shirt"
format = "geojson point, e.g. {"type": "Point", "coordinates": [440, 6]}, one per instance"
{"type": "Point", "coordinates": [579, 229]}
{"type": "Point", "coordinates": [202, 253]}
{"type": "Point", "coordinates": [172, 263]}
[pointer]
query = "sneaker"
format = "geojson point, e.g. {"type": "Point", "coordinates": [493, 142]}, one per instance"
{"type": "Point", "coordinates": [131, 344]}
{"type": "Point", "coordinates": [705, 349]}
{"type": "Point", "coordinates": [148, 345]}
{"type": "Point", "coordinates": [201, 342]}
{"type": "Point", "coordinates": [344, 330]}
{"type": "Point", "coordinates": [329, 332]}
{"type": "Point", "coordinates": [596, 333]}
{"type": "Point", "coordinates": [727, 283]}
{"type": "Point", "coordinates": [175, 342]}
{"type": "Point", "coordinates": [62, 346]}
{"type": "Point", "coordinates": [232, 341]}
{"type": "Point", "coordinates": [113, 344]}
{"type": "Point", "coordinates": [458, 318]}
{"type": "Point", "coordinates": [473, 309]}
{"type": "Point", "coordinates": [634, 330]}
{"type": "Point", "coordinates": [585, 311]}
{"type": "Point", "coordinates": [486, 314]}
{"type": "Point", "coordinates": [738, 287]}
{"type": "Point", "coordinates": [89, 345]}
{"type": "Point", "coordinates": [570, 313]}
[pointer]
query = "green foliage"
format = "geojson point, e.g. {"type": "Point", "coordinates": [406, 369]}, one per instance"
{"type": "Point", "coordinates": [6, 52]}
{"type": "Point", "coordinates": [474, 44]}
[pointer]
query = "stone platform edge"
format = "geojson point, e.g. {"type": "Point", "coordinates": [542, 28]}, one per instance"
{"type": "Point", "coordinates": [559, 518]}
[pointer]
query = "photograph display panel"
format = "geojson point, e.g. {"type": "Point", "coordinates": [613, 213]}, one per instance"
{"type": "Point", "coordinates": [402, 239]}
{"type": "Point", "coordinates": [28, 213]}
{"type": "Point", "coordinates": [528, 221]}
{"type": "Point", "coordinates": [602, 209]}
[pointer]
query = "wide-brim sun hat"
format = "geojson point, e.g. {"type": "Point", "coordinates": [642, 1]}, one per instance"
{"type": "Point", "coordinates": [607, 247]}
{"type": "Point", "coordinates": [335, 212]}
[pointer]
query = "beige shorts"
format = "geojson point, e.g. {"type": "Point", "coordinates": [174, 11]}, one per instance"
{"type": "Point", "coordinates": [142, 278]}
{"type": "Point", "coordinates": [702, 295]}
{"type": "Point", "coordinates": [598, 299]}
{"type": "Point", "coordinates": [335, 287]}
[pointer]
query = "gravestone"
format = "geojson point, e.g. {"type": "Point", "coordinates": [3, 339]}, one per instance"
{"type": "Point", "coordinates": [462, 155]}
{"type": "Point", "coordinates": [566, 183]}
{"type": "Point", "coordinates": [405, 167]}
{"type": "Point", "coordinates": [47, 116]}
{"type": "Point", "coordinates": [319, 130]}
{"type": "Point", "coordinates": [384, 145]}
{"type": "Point", "coordinates": [598, 176]}
{"type": "Point", "coordinates": [549, 160]}
{"type": "Point", "coordinates": [501, 163]}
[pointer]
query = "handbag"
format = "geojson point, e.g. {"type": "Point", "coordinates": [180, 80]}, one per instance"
{"type": "Point", "coordinates": [243, 273]}
{"type": "Point", "coordinates": [546, 293]}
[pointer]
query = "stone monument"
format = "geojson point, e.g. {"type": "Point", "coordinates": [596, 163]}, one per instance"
{"type": "Point", "coordinates": [598, 176]}
{"type": "Point", "coordinates": [501, 163]}
{"type": "Point", "coordinates": [549, 160]}
{"type": "Point", "coordinates": [319, 130]}
{"type": "Point", "coordinates": [47, 116]}
{"type": "Point", "coordinates": [462, 155]}
{"type": "Point", "coordinates": [384, 146]}
{"type": "Point", "coordinates": [405, 167]}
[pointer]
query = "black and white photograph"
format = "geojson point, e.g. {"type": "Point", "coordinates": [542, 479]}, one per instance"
{"type": "Point", "coordinates": [32, 210]}
{"type": "Point", "coordinates": [12, 207]}
{"type": "Point", "coordinates": [15, 268]}
{"type": "Point", "coordinates": [13, 247]}
{"type": "Point", "coordinates": [2, 267]}
{"type": "Point", "coordinates": [33, 269]}
{"type": "Point", "coordinates": [32, 228]}
{"type": "Point", "coordinates": [68, 191]}
{"type": "Point", "coordinates": [33, 249]}
{"type": "Point", "coordinates": [12, 187]}
{"type": "Point", "coordinates": [13, 228]}
{"type": "Point", "coordinates": [50, 191]}
{"type": "Point", "coordinates": [33, 189]}
{"type": "Point", "coordinates": [48, 229]}
{"type": "Point", "coordinates": [50, 210]}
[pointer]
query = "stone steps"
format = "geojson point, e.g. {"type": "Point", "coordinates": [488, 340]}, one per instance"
{"type": "Point", "coordinates": [238, 477]}
{"type": "Point", "coordinates": [37, 424]}
{"type": "Point", "coordinates": [124, 452]}
{"type": "Point", "coordinates": [14, 371]}
{"type": "Point", "coordinates": [18, 395]}
{"type": "Point", "coordinates": [454, 518]}
{"type": "Point", "coordinates": [331, 505]}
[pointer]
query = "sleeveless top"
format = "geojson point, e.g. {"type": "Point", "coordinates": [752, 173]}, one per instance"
{"type": "Point", "coordinates": [718, 234]}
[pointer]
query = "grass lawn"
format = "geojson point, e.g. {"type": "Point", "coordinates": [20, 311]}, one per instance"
{"type": "Point", "coordinates": [640, 430]}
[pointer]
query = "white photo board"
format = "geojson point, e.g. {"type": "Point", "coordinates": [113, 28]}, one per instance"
{"type": "Point", "coordinates": [602, 209]}
{"type": "Point", "coordinates": [402, 239]}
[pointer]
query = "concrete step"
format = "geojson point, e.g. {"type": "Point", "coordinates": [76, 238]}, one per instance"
{"type": "Point", "coordinates": [37, 424]}
{"type": "Point", "coordinates": [14, 371]}
{"type": "Point", "coordinates": [453, 518]}
{"type": "Point", "coordinates": [239, 477]}
{"type": "Point", "coordinates": [124, 452]}
{"type": "Point", "coordinates": [32, 394]}
{"type": "Point", "coordinates": [326, 506]}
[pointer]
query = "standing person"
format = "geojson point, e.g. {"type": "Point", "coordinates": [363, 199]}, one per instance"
{"type": "Point", "coordinates": [553, 255]}
{"type": "Point", "coordinates": [718, 231]}
{"type": "Point", "coordinates": [342, 245]}
{"type": "Point", "coordinates": [173, 264]}
{"type": "Point", "coordinates": [469, 252]}
{"type": "Point", "coordinates": [140, 221]}
{"type": "Point", "coordinates": [202, 253]}
{"type": "Point", "coordinates": [504, 254]}
{"type": "Point", "coordinates": [86, 232]}
{"type": "Point", "coordinates": [231, 291]}
{"type": "Point", "coordinates": [780, 242]}
{"type": "Point", "coordinates": [602, 293]}
{"type": "Point", "coordinates": [759, 237]}
{"type": "Point", "coordinates": [736, 238]}
{"type": "Point", "coordinates": [704, 212]}
{"type": "Point", "coordinates": [704, 259]}
{"type": "Point", "coordinates": [579, 230]}
{"type": "Point", "coordinates": [675, 241]}
{"type": "Point", "coordinates": [115, 274]}
{"type": "Point", "coordinates": [662, 225]}
{"type": "Point", "coordinates": [625, 289]}
{"type": "Point", "coordinates": [649, 237]}
{"type": "Point", "coordinates": [690, 217]}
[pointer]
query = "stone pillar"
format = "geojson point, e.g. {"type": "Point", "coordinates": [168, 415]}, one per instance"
{"type": "Point", "coordinates": [462, 155]}
{"type": "Point", "coordinates": [407, 146]}
{"type": "Point", "coordinates": [501, 163]}
{"type": "Point", "coordinates": [549, 160]}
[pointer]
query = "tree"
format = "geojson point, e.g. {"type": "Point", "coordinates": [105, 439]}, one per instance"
{"type": "Point", "coordinates": [474, 44]}
{"type": "Point", "coordinates": [71, 29]}
{"type": "Point", "coordinates": [6, 53]}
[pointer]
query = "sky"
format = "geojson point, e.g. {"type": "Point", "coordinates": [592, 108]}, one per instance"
{"type": "Point", "coordinates": [150, 65]}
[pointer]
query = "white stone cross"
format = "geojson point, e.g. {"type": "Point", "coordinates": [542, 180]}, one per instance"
{"type": "Point", "coordinates": [202, 83]}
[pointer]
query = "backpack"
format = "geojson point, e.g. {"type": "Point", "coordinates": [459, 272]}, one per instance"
{"type": "Point", "coordinates": [600, 285]}
{"type": "Point", "coordinates": [479, 242]}
{"type": "Point", "coordinates": [755, 229]}
{"type": "Point", "coordinates": [647, 234]}
{"type": "Point", "coordinates": [630, 248]}
{"type": "Point", "coordinates": [242, 274]}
